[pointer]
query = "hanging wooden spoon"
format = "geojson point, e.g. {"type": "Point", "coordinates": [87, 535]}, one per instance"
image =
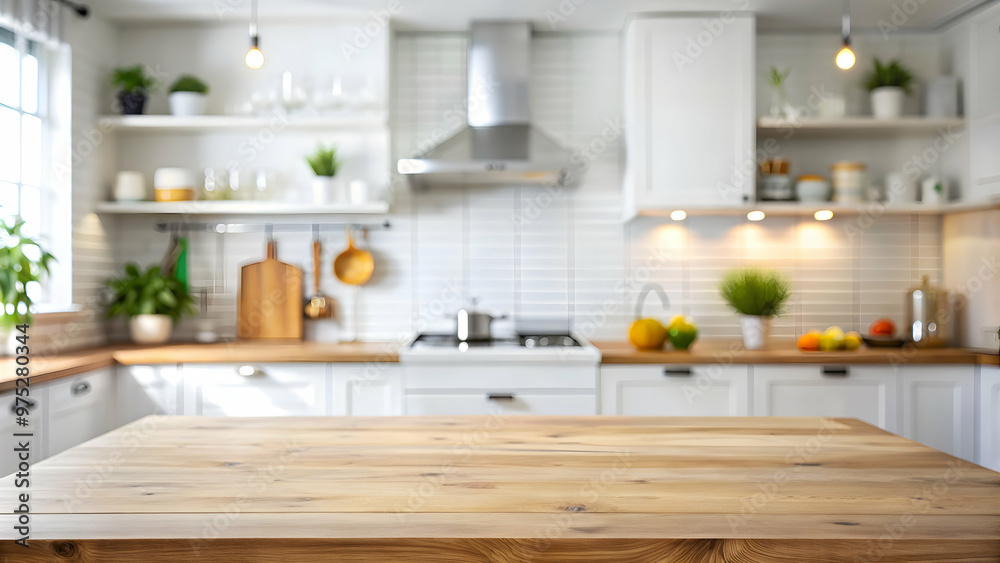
{"type": "Point", "coordinates": [319, 306]}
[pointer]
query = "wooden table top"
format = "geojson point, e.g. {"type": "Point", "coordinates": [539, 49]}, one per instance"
{"type": "Point", "coordinates": [506, 488]}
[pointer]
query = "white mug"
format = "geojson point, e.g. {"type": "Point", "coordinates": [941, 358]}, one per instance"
{"type": "Point", "coordinates": [932, 191]}
{"type": "Point", "coordinates": [900, 189]}
{"type": "Point", "coordinates": [129, 186]}
{"type": "Point", "coordinates": [358, 192]}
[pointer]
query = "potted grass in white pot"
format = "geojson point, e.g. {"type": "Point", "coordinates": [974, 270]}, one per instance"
{"type": "Point", "coordinates": [757, 295]}
{"type": "Point", "coordinates": [889, 84]}
{"type": "Point", "coordinates": [188, 96]}
{"type": "Point", "coordinates": [325, 164]}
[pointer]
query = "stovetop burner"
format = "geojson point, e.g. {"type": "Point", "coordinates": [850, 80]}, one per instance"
{"type": "Point", "coordinates": [521, 341]}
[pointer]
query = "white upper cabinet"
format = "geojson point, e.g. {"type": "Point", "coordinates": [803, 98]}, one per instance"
{"type": "Point", "coordinates": [689, 112]}
{"type": "Point", "coordinates": [984, 104]}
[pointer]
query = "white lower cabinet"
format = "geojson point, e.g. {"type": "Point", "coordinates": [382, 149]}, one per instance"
{"type": "Point", "coordinates": [146, 390]}
{"type": "Point", "coordinates": [79, 408]}
{"type": "Point", "coordinates": [35, 403]}
{"type": "Point", "coordinates": [938, 404]}
{"type": "Point", "coordinates": [296, 389]}
{"type": "Point", "coordinates": [989, 417]}
{"type": "Point", "coordinates": [369, 389]}
{"type": "Point", "coordinates": [501, 403]}
{"type": "Point", "coordinates": [672, 390]}
{"type": "Point", "coordinates": [864, 392]}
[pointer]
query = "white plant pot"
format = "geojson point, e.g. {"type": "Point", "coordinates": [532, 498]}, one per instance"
{"type": "Point", "coordinates": [150, 329]}
{"type": "Point", "coordinates": [327, 190]}
{"type": "Point", "coordinates": [187, 103]}
{"type": "Point", "coordinates": [756, 331]}
{"type": "Point", "coordinates": [887, 102]}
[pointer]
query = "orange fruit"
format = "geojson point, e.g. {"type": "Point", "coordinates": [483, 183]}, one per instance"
{"type": "Point", "coordinates": [809, 342]}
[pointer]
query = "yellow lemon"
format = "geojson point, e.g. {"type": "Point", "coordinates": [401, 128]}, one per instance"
{"type": "Point", "coordinates": [647, 334]}
{"type": "Point", "coordinates": [852, 341]}
{"type": "Point", "coordinates": [832, 339]}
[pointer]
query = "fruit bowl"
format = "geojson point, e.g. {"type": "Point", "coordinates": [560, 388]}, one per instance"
{"type": "Point", "coordinates": [879, 341]}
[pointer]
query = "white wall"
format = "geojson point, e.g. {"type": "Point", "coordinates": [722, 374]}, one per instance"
{"type": "Point", "coordinates": [524, 251]}
{"type": "Point", "coordinates": [93, 44]}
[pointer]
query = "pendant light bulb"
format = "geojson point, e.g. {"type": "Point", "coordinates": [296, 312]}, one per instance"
{"type": "Point", "coordinates": [846, 58]}
{"type": "Point", "coordinates": [254, 57]}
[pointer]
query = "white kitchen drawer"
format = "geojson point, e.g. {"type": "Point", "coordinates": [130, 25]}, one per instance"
{"type": "Point", "coordinates": [499, 403]}
{"type": "Point", "coordinates": [80, 408]}
{"type": "Point", "coordinates": [674, 390]}
{"type": "Point", "coordinates": [295, 389]}
{"type": "Point", "coordinates": [864, 392]}
{"type": "Point", "coordinates": [506, 376]}
{"type": "Point", "coordinates": [84, 389]}
{"type": "Point", "coordinates": [147, 390]}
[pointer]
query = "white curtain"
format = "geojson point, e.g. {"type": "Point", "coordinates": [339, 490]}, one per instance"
{"type": "Point", "coordinates": [40, 20]}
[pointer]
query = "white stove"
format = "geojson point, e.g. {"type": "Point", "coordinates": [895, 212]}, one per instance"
{"type": "Point", "coordinates": [558, 348]}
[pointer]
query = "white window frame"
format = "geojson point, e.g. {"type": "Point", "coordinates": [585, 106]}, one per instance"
{"type": "Point", "coordinates": [54, 230]}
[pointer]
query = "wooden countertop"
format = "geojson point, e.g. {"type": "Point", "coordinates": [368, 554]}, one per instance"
{"type": "Point", "coordinates": [45, 368]}
{"type": "Point", "coordinates": [506, 488]}
{"type": "Point", "coordinates": [713, 351]}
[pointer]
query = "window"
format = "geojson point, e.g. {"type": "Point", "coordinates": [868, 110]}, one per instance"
{"type": "Point", "coordinates": [27, 134]}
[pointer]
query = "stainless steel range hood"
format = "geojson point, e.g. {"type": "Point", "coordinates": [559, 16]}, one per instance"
{"type": "Point", "coordinates": [500, 146]}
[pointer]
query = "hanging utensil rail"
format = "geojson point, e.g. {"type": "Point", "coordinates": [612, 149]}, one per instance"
{"type": "Point", "coordinates": [225, 228]}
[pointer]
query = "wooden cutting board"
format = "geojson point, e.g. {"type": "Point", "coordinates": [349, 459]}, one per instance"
{"type": "Point", "coordinates": [270, 299]}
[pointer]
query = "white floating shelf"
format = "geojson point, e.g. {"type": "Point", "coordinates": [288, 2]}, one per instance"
{"type": "Point", "coordinates": [855, 125]}
{"type": "Point", "coordinates": [256, 209]}
{"type": "Point", "coordinates": [221, 123]}
{"type": "Point", "coordinates": [793, 209]}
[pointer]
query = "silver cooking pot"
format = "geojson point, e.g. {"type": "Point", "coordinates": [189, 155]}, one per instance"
{"type": "Point", "coordinates": [472, 325]}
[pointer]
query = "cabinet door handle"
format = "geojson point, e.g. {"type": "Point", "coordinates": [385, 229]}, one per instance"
{"type": "Point", "coordinates": [27, 403]}
{"type": "Point", "coordinates": [677, 372]}
{"type": "Point", "coordinates": [835, 371]}
{"type": "Point", "coordinates": [250, 371]}
{"type": "Point", "coordinates": [500, 396]}
{"type": "Point", "coordinates": [80, 388]}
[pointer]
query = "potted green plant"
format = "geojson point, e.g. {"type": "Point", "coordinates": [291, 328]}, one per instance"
{"type": "Point", "coordinates": [134, 86]}
{"type": "Point", "coordinates": [151, 300]}
{"type": "Point", "coordinates": [758, 295]}
{"type": "Point", "coordinates": [188, 96]}
{"type": "Point", "coordinates": [324, 164]}
{"type": "Point", "coordinates": [22, 262]}
{"type": "Point", "coordinates": [888, 84]}
{"type": "Point", "coordinates": [779, 97]}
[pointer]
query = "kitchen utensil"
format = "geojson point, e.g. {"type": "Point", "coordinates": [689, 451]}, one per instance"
{"type": "Point", "coordinates": [319, 306]}
{"type": "Point", "coordinates": [353, 266]}
{"type": "Point", "coordinates": [130, 186]}
{"type": "Point", "coordinates": [848, 179]}
{"type": "Point", "coordinates": [270, 299]}
{"type": "Point", "coordinates": [928, 319]}
{"type": "Point", "coordinates": [473, 325]}
{"type": "Point", "coordinates": [812, 188]}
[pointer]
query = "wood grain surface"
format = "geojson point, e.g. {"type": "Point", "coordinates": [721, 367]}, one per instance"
{"type": "Point", "coordinates": [269, 300]}
{"type": "Point", "coordinates": [507, 488]}
{"type": "Point", "coordinates": [785, 352]}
